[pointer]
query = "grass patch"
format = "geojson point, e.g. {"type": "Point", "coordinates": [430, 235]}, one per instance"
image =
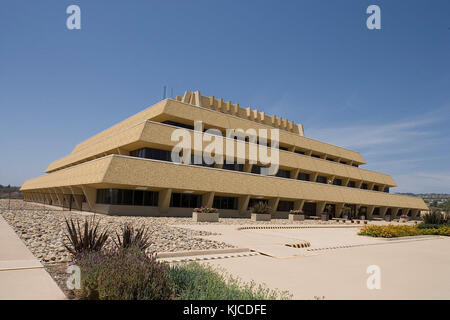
{"type": "Point", "coordinates": [194, 281]}
{"type": "Point", "coordinates": [391, 231]}
{"type": "Point", "coordinates": [129, 274]}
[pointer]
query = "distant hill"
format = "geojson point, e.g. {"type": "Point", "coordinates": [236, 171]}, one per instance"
{"type": "Point", "coordinates": [10, 191]}
{"type": "Point", "coordinates": [434, 200]}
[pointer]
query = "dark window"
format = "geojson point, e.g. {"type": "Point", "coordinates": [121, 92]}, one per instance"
{"type": "Point", "coordinates": [138, 198]}
{"type": "Point", "coordinates": [386, 190]}
{"type": "Point", "coordinates": [282, 148]}
{"type": "Point", "coordinates": [376, 188]}
{"type": "Point", "coordinates": [233, 166]}
{"type": "Point", "coordinates": [254, 201]}
{"type": "Point", "coordinates": [229, 203]}
{"type": "Point", "coordinates": [283, 173]}
{"type": "Point", "coordinates": [364, 186]}
{"type": "Point", "coordinates": [256, 169]}
{"type": "Point", "coordinates": [150, 153]}
{"type": "Point", "coordinates": [337, 182]}
{"type": "Point", "coordinates": [285, 205]}
{"type": "Point", "coordinates": [184, 200]}
{"type": "Point", "coordinates": [376, 211]}
{"type": "Point", "coordinates": [321, 179]}
{"type": "Point", "coordinates": [329, 159]}
{"type": "Point", "coordinates": [309, 208]}
{"type": "Point", "coordinates": [343, 162]}
{"type": "Point", "coordinates": [177, 124]}
{"type": "Point", "coordinates": [315, 156]}
{"type": "Point", "coordinates": [355, 165]}
{"type": "Point", "coordinates": [299, 151]}
{"type": "Point", "coordinates": [351, 184]}
{"type": "Point", "coordinates": [127, 197]}
{"type": "Point", "coordinates": [303, 176]}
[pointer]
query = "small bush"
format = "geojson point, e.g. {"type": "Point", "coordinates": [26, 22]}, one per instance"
{"type": "Point", "coordinates": [260, 207]}
{"type": "Point", "coordinates": [133, 238]}
{"type": "Point", "coordinates": [205, 210]}
{"type": "Point", "coordinates": [126, 274]}
{"type": "Point", "coordinates": [296, 212]}
{"type": "Point", "coordinates": [194, 281]}
{"type": "Point", "coordinates": [86, 238]}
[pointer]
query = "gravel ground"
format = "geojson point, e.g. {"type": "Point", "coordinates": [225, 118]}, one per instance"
{"type": "Point", "coordinates": [42, 228]}
{"type": "Point", "coordinates": [44, 231]}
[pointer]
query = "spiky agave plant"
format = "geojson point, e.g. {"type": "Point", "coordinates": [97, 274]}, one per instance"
{"type": "Point", "coordinates": [260, 207]}
{"type": "Point", "coordinates": [85, 238]}
{"type": "Point", "coordinates": [133, 238]}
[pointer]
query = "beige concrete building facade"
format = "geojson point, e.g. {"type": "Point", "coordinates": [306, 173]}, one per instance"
{"type": "Point", "coordinates": [127, 170]}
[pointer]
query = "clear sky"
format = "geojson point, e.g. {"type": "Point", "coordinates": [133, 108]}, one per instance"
{"type": "Point", "coordinates": [385, 93]}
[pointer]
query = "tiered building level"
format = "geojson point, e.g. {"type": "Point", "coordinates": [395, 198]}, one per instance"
{"type": "Point", "coordinates": [127, 170]}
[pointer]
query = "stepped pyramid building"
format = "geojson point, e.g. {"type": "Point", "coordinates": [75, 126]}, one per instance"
{"type": "Point", "coordinates": [128, 170]}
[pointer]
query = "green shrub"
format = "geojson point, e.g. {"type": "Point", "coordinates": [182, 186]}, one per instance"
{"type": "Point", "coordinates": [424, 225]}
{"type": "Point", "coordinates": [433, 217]}
{"type": "Point", "coordinates": [127, 274]}
{"type": "Point", "coordinates": [260, 207]}
{"type": "Point", "coordinates": [133, 238]}
{"type": "Point", "coordinates": [86, 238]}
{"type": "Point", "coordinates": [194, 281]}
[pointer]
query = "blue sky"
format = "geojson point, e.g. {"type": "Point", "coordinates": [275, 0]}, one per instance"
{"type": "Point", "coordinates": [385, 93]}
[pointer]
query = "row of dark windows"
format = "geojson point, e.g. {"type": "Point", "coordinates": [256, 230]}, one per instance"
{"type": "Point", "coordinates": [127, 197]}
{"type": "Point", "coordinates": [165, 155]}
{"type": "Point", "coordinates": [190, 127]}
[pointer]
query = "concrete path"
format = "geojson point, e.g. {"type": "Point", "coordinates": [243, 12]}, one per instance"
{"type": "Point", "coordinates": [22, 276]}
{"type": "Point", "coordinates": [408, 270]}
{"type": "Point", "coordinates": [335, 266]}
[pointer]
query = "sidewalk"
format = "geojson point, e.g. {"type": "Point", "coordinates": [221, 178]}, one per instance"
{"type": "Point", "coordinates": [22, 276]}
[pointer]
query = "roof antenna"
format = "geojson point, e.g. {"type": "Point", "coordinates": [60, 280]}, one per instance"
{"type": "Point", "coordinates": [164, 92]}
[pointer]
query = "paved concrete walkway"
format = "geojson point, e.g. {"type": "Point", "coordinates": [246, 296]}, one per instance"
{"type": "Point", "coordinates": [335, 266]}
{"type": "Point", "coordinates": [22, 276]}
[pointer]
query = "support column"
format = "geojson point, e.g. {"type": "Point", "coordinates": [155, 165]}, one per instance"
{"type": "Point", "coordinates": [294, 173]}
{"type": "Point", "coordinates": [320, 207]}
{"type": "Point", "coordinates": [414, 213]}
{"type": "Point", "coordinates": [53, 196]}
{"type": "Point", "coordinates": [298, 204]}
{"type": "Point", "coordinates": [248, 167]}
{"type": "Point", "coordinates": [77, 194]}
{"type": "Point", "coordinates": [358, 184]}
{"type": "Point", "coordinates": [370, 210]}
{"type": "Point", "coordinates": [243, 204]}
{"type": "Point", "coordinates": [207, 199]}
{"type": "Point", "coordinates": [339, 207]}
{"type": "Point", "coordinates": [164, 200]}
{"type": "Point", "coordinates": [394, 212]}
{"type": "Point", "coordinates": [273, 204]}
{"type": "Point", "coordinates": [383, 211]}
{"type": "Point", "coordinates": [357, 207]}
{"type": "Point", "coordinates": [59, 196]}
{"type": "Point", "coordinates": [345, 182]}
{"type": "Point", "coordinates": [91, 196]}
{"type": "Point", "coordinates": [314, 176]}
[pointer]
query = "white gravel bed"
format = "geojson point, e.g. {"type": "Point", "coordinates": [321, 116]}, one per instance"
{"type": "Point", "coordinates": [44, 231]}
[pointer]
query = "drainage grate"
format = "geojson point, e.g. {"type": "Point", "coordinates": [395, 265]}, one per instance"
{"type": "Point", "coordinates": [304, 244]}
